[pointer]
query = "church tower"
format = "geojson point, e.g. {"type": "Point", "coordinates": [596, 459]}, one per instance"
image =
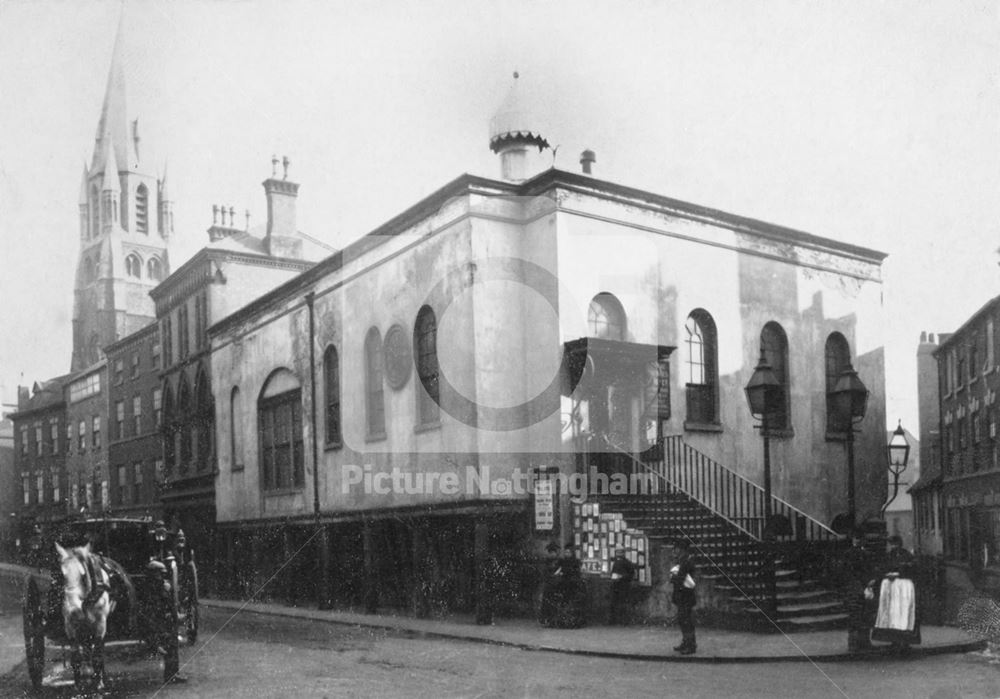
{"type": "Point", "coordinates": [125, 224]}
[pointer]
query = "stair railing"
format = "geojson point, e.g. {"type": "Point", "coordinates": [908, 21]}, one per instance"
{"type": "Point", "coordinates": [730, 495]}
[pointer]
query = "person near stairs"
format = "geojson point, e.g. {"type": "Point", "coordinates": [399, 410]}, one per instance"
{"type": "Point", "coordinates": [682, 578]}
{"type": "Point", "coordinates": [622, 575]}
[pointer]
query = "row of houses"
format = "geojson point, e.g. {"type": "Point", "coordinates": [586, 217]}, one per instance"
{"type": "Point", "coordinates": [416, 418]}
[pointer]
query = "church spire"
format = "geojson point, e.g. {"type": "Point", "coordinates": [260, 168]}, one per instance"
{"type": "Point", "coordinates": [113, 128]}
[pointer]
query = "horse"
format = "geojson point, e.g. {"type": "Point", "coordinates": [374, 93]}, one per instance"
{"type": "Point", "coordinates": [87, 604]}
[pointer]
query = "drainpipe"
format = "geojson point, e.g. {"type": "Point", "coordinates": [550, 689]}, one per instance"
{"type": "Point", "coordinates": [322, 595]}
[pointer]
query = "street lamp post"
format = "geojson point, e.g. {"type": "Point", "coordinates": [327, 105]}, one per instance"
{"type": "Point", "coordinates": [897, 454]}
{"type": "Point", "coordinates": [849, 402]}
{"type": "Point", "coordinates": [764, 395]}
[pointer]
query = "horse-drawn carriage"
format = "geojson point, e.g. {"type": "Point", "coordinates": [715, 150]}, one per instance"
{"type": "Point", "coordinates": [112, 579]}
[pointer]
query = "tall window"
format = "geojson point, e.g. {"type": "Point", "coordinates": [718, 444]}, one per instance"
{"type": "Point", "coordinates": [204, 424]}
{"type": "Point", "coordinates": [142, 209]}
{"type": "Point", "coordinates": [168, 340]}
{"type": "Point", "coordinates": [157, 407]}
{"type": "Point", "coordinates": [606, 317]}
{"type": "Point", "coordinates": [81, 436]}
{"type": "Point", "coordinates": [136, 414]}
{"type": "Point", "coordinates": [135, 364]}
{"type": "Point", "coordinates": [122, 485]}
{"type": "Point", "coordinates": [133, 266]}
{"type": "Point", "coordinates": [425, 350]}
{"type": "Point", "coordinates": [374, 396]}
{"type": "Point", "coordinates": [39, 488]}
{"type": "Point", "coordinates": [95, 432]}
{"type": "Point", "coordinates": [119, 371]}
{"type": "Point", "coordinates": [38, 440]}
{"type": "Point", "coordinates": [838, 358]}
{"type": "Point", "coordinates": [56, 492]}
{"type": "Point", "coordinates": [774, 345]}
{"type": "Point", "coordinates": [54, 438]}
{"type": "Point", "coordinates": [184, 408]}
{"type": "Point", "coordinates": [182, 331]}
{"type": "Point", "coordinates": [235, 428]}
{"type": "Point", "coordinates": [24, 441]}
{"type": "Point", "coordinates": [279, 419]}
{"type": "Point", "coordinates": [137, 482]}
{"type": "Point", "coordinates": [702, 372]}
{"type": "Point", "coordinates": [154, 269]}
{"type": "Point", "coordinates": [331, 377]}
{"type": "Point", "coordinates": [157, 350]}
{"type": "Point", "coordinates": [119, 419]}
{"type": "Point", "coordinates": [95, 212]}
{"type": "Point", "coordinates": [200, 320]}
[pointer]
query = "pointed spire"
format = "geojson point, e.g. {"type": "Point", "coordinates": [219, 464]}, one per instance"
{"type": "Point", "coordinates": [84, 193]}
{"type": "Point", "coordinates": [114, 127]}
{"type": "Point", "coordinates": [110, 183]}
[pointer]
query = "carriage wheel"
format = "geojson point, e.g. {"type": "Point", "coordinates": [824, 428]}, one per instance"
{"type": "Point", "coordinates": [34, 634]}
{"type": "Point", "coordinates": [191, 603]}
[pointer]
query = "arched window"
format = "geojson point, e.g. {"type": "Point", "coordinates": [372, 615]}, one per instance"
{"type": "Point", "coordinates": [838, 358]}
{"type": "Point", "coordinates": [142, 209]}
{"type": "Point", "coordinates": [203, 424]}
{"type": "Point", "coordinates": [133, 266]}
{"type": "Point", "coordinates": [331, 385]}
{"type": "Point", "coordinates": [701, 345]}
{"type": "Point", "coordinates": [279, 423]}
{"type": "Point", "coordinates": [169, 427]}
{"type": "Point", "coordinates": [183, 435]}
{"type": "Point", "coordinates": [606, 318]}
{"type": "Point", "coordinates": [235, 427]}
{"type": "Point", "coordinates": [425, 350]}
{"type": "Point", "coordinates": [774, 345]}
{"type": "Point", "coordinates": [154, 269]}
{"type": "Point", "coordinates": [374, 396]}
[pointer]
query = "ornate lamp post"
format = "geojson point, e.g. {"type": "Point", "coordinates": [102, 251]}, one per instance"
{"type": "Point", "coordinates": [849, 402]}
{"type": "Point", "coordinates": [764, 395]}
{"type": "Point", "coordinates": [897, 454]}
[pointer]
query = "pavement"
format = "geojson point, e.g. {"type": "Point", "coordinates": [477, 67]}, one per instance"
{"type": "Point", "coordinates": [628, 642]}
{"type": "Point", "coordinates": [637, 642]}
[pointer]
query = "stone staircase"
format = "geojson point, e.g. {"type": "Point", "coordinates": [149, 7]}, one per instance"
{"type": "Point", "coordinates": [731, 551]}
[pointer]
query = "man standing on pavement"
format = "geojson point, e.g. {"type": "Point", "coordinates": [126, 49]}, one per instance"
{"type": "Point", "coordinates": [622, 575]}
{"type": "Point", "coordinates": [682, 578]}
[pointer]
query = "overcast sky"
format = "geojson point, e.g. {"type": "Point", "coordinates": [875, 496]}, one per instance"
{"type": "Point", "coordinates": [869, 122]}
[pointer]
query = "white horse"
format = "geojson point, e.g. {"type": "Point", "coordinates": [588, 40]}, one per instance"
{"type": "Point", "coordinates": [87, 603]}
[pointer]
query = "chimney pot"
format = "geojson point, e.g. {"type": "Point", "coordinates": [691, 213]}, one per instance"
{"type": "Point", "coordinates": [587, 160]}
{"type": "Point", "coordinates": [285, 162]}
{"type": "Point", "coordinates": [215, 214]}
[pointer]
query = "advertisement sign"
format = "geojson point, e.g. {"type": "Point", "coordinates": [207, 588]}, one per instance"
{"type": "Point", "coordinates": [544, 505]}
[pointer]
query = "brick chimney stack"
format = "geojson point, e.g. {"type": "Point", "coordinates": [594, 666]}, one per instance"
{"type": "Point", "coordinates": [282, 238]}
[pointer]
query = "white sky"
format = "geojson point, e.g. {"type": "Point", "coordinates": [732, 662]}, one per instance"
{"type": "Point", "coordinates": [869, 122]}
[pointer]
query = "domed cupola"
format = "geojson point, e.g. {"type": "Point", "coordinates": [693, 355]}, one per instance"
{"type": "Point", "coordinates": [515, 135]}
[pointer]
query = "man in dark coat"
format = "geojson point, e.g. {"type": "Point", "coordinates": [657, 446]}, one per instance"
{"type": "Point", "coordinates": [622, 575]}
{"type": "Point", "coordinates": [857, 571]}
{"type": "Point", "coordinates": [682, 578]}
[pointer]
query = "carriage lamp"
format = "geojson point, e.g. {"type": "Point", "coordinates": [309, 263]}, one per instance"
{"type": "Point", "coordinates": [849, 399]}
{"type": "Point", "coordinates": [897, 454]}
{"type": "Point", "coordinates": [160, 532]}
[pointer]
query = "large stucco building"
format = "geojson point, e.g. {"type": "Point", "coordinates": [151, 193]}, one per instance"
{"type": "Point", "coordinates": [547, 321]}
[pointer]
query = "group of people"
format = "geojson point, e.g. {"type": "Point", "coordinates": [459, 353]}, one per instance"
{"type": "Point", "coordinates": [564, 593]}
{"type": "Point", "coordinates": [880, 595]}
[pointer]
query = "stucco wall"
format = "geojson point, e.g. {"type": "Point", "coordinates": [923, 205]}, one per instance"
{"type": "Point", "coordinates": [500, 341]}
